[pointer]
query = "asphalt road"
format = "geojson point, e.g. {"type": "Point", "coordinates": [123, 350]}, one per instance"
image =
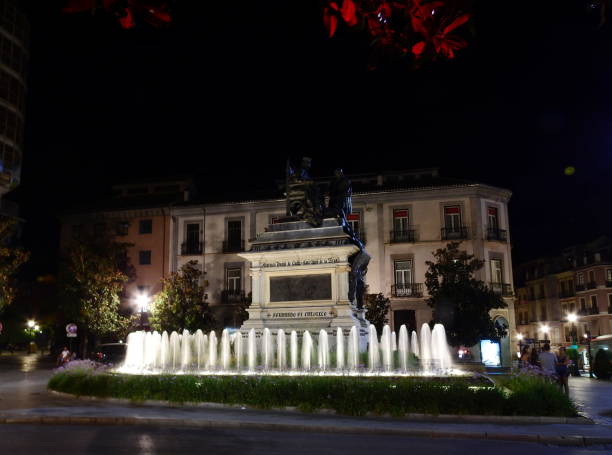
{"type": "Point", "coordinates": [48, 439]}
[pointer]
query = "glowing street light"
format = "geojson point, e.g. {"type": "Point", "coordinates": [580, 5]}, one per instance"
{"type": "Point", "coordinates": [571, 317]}
{"type": "Point", "coordinates": [519, 336]}
{"type": "Point", "coordinates": [31, 323]}
{"type": "Point", "coordinates": [142, 300]}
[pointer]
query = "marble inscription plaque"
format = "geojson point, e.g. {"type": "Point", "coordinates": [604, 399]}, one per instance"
{"type": "Point", "coordinates": [300, 287]}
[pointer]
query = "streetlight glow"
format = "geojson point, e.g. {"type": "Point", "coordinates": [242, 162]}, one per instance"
{"type": "Point", "coordinates": [142, 300]}
{"type": "Point", "coordinates": [571, 317]}
{"type": "Point", "coordinates": [519, 336]}
{"type": "Point", "coordinates": [545, 328]}
{"type": "Point", "coordinates": [31, 323]}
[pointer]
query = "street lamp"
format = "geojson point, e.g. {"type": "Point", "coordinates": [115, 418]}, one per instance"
{"type": "Point", "coordinates": [572, 317]}
{"type": "Point", "coordinates": [587, 336]}
{"type": "Point", "coordinates": [142, 301]}
{"type": "Point", "coordinates": [545, 329]}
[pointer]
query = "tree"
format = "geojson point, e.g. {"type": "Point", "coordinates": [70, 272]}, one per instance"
{"type": "Point", "coordinates": [93, 277]}
{"type": "Point", "coordinates": [180, 305]}
{"type": "Point", "coordinates": [461, 302]}
{"type": "Point", "coordinates": [11, 258]}
{"type": "Point", "coordinates": [377, 308]}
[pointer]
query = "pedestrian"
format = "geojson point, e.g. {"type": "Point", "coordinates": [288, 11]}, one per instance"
{"type": "Point", "coordinates": [533, 357]}
{"type": "Point", "coordinates": [548, 360]}
{"type": "Point", "coordinates": [525, 357]}
{"type": "Point", "coordinates": [64, 357]}
{"type": "Point", "coordinates": [563, 370]}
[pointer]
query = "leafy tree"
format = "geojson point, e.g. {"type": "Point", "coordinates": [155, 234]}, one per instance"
{"type": "Point", "coordinates": [377, 309]}
{"type": "Point", "coordinates": [180, 305]}
{"type": "Point", "coordinates": [11, 258]}
{"type": "Point", "coordinates": [93, 278]}
{"type": "Point", "coordinates": [461, 302]}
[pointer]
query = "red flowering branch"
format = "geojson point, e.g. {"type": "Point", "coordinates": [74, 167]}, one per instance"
{"type": "Point", "coordinates": [418, 29]}
{"type": "Point", "coordinates": [126, 11]}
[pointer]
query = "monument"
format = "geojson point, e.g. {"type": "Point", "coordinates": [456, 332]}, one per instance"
{"type": "Point", "coordinates": [308, 269]}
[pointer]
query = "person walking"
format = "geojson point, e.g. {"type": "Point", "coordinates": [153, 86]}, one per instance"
{"type": "Point", "coordinates": [563, 370]}
{"type": "Point", "coordinates": [525, 359]}
{"type": "Point", "coordinates": [548, 360]}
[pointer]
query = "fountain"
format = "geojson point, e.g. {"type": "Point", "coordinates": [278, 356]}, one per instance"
{"type": "Point", "coordinates": [238, 353]}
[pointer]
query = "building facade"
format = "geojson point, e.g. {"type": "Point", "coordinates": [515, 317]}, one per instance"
{"type": "Point", "coordinates": [14, 32]}
{"type": "Point", "coordinates": [402, 217]}
{"type": "Point", "coordinates": [564, 298]}
{"type": "Point", "coordinates": [139, 215]}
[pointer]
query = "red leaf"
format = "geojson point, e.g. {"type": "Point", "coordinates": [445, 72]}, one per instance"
{"type": "Point", "coordinates": [418, 48]}
{"type": "Point", "coordinates": [349, 12]}
{"type": "Point", "coordinates": [77, 6]}
{"type": "Point", "coordinates": [330, 20]}
{"type": "Point", "coordinates": [127, 21]}
{"type": "Point", "coordinates": [456, 23]}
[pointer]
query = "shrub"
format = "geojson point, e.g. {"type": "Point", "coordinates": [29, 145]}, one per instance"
{"type": "Point", "coordinates": [345, 395]}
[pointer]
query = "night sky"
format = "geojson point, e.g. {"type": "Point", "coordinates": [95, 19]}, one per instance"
{"type": "Point", "coordinates": [235, 87]}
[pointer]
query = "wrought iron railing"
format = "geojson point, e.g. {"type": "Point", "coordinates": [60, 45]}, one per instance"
{"type": "Point", "coordinates": [403, 236]}
{"type": "Point", "coordinates": [233, 246]}
{"type": "Point", "coordinates": [497, 234]}
{"type": "Point", "coordinates": [407, 290]}
{"type": "Point", "coordinates": [591, 285]}
{"type": "Point", "coordinates": [191, 248]}
{"type": "Point", "coordinates": [503, 289]}
{"type": "Point", "coordinates": [454, 233]}
{"type": "Point", "coordinates": [233, 296]}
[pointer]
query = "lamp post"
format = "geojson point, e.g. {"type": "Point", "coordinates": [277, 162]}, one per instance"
{"type": "Point", "coordinates": [587, 336]}
{"type": "Point", "coordinates": [545, 329]}
{"type": "Point", "coordinates": [571, 317]}
{"type": "Point", "coordinates": [142, 300]}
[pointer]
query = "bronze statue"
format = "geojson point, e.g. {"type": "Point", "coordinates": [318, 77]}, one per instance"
{"type": "Point", "coordinates": [303, 197]}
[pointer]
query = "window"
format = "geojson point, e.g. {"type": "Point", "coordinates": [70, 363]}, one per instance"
{"type": "Point", "coordinates": [609, 303]}
{"type": "Point", "coordinates": [354, 220]}
{"type": "Point", "coordinates": [401, 220]}
{"type": "Point", "coordinates": [145, 227]}
{"type": "Point", "coordinates": [122, 228]}
{"type": "Point", "coordinates": [608, 275]}
{"type": "Point", "coordinates": [233, 279]}
{"type": "Point", "coordinates": [542, 294]}
{"type": "Point", "coordinates": [192, 233]}
{"type": "Point", "coordinates": [233, 243]}
{"type": "Point", "coordinates": [99, 229]}
{"type": "Point", "coordinates": [403, 272]}
{"type": "Point", "coordinates": [543, 312]}
{"type": "Point", "coordinates": [77, 231]}
{"type": "Point", "coordinates": [452, 218]}
{"type": "Point", "coordinates": [144, 257]}
{"type": "Point", "coordinates": [591, 276]}
{"type": "Point", "coordinates": [492, 218]}
{"type": "Point", "coordinates": [580, 279]}
{"type": "Point", "coordinates": [497, 273]}
{"type": "Point", "coordinates": [572, 307]}
{"type": "Point", "coordinates": [594, 308]}
{"type": "Point", "coordinates": [582, 304]}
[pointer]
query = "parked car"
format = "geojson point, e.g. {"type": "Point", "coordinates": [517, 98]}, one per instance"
{"type": "Point", "coordinates": [111, 353]}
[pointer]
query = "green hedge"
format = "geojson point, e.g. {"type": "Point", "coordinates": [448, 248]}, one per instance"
{"type": "Point", "coordinates": [345, 395]}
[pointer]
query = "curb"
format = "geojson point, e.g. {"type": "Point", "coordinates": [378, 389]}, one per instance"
{"type": "Point", "coordinates": [440, 418]}
{"type": "Point", "coordinates": [576, 441]}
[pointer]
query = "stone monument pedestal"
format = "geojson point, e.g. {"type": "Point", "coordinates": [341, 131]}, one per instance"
{"type": "Point", "coordinates": [300, 280]}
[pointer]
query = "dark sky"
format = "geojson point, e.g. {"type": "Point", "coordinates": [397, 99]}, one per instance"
{"type": "Point", "coordinates": [233, 88]}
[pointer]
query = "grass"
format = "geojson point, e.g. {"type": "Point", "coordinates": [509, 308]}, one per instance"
{"type": "Point", "coordinates": [346, 395]}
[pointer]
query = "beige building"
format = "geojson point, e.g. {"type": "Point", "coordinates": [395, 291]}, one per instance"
{"type": "Point", "coordinates": [138, 214]}
{"type": "Point", "coordinates": [577, 283]}
{"type": "Point", "coordinates": [403, 218]}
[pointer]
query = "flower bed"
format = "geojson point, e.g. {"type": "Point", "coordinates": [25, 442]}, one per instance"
{"type": "Point", "coordinates": [345, 395]}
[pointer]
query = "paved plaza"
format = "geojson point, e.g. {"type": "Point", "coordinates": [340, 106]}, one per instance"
{"type": "Point", "coordinates": [23, 395]}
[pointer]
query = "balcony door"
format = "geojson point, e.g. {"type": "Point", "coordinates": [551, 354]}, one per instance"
{"type": "Point", "coordinates": [452, 219]}
{"type": "Point", "coordinates": [493, 220]}
{"type": "Point", "coordinates": [497, 271]}
{"type": "Point", "coordinates": [403, 277]}
{"type": "Point", "coordinates": [233, 280]}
